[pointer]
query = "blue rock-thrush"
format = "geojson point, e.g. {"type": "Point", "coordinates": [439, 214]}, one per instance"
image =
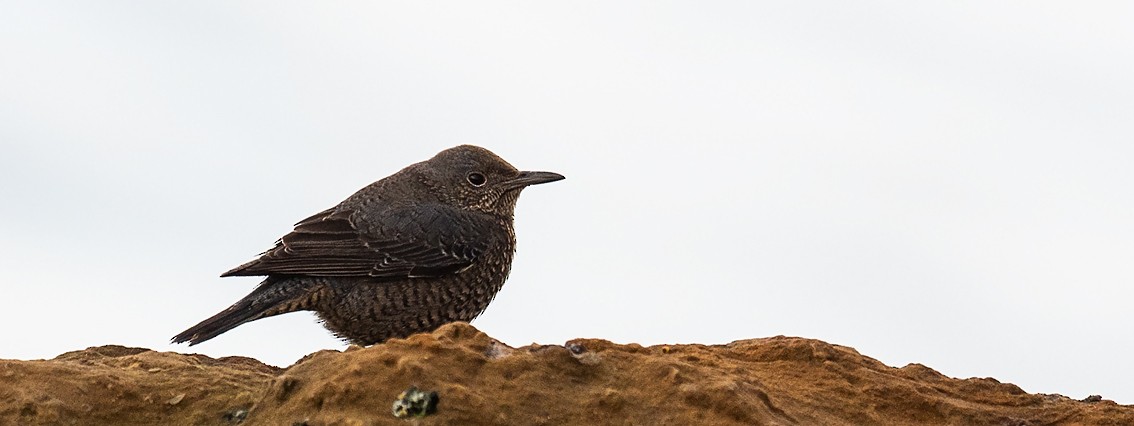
{"type": "Point", "coordinates": [428, 245]}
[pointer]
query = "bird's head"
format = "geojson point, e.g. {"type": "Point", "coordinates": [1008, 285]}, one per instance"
{"type": "Point", "coordinates": [473, 178]}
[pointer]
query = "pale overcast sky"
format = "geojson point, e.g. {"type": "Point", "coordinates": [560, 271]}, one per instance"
{"type": "Point", "coordinates": [941, 183]}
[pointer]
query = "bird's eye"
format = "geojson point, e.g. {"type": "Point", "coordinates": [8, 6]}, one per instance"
{"type": "Point", "coordinates": [476, 179]}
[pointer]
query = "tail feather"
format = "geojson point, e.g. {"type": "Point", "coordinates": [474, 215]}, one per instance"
{"type": "Point", "coordinates": [272, 297]}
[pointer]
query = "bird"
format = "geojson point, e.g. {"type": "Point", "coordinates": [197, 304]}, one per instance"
{"type": "Point", "coordinates": [423, 247]}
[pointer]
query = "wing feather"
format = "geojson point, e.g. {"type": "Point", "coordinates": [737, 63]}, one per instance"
{"type": "Point", "coordinates": [415, 241]}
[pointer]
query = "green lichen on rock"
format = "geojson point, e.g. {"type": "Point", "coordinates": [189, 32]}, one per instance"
{"type": "Point", "coordinates": [415, 403]}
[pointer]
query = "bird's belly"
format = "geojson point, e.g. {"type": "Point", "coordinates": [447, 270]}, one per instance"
{"type": "Point", "coordinates": [366, 312]}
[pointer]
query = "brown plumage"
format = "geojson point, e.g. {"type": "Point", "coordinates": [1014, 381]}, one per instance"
{"type": "Point", "coordinates": [428, 245]}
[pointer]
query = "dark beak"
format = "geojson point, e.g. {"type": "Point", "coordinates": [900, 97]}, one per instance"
{"type": "Point", "coordinates": [533, 178]}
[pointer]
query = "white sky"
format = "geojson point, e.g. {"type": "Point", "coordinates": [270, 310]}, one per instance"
{"type": "Point", "coordinates": [948, 184]}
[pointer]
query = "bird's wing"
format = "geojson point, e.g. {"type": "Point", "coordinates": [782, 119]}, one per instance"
{"type": "Point", "coordinates": [424, 240]}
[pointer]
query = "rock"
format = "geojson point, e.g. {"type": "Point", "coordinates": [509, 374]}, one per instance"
{"type": "Point", "coordinates": [775, 381]}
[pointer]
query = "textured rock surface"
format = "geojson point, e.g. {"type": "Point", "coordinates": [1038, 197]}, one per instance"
{"type": "Point", "coordinates": [774, 381]}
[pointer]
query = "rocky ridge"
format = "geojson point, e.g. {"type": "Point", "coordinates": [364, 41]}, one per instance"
{"type": "Point", "coordinates": [480, 381]}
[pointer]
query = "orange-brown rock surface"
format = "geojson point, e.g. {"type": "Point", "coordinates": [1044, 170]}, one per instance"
{"type": "Point", "coordinates": [772, 381]}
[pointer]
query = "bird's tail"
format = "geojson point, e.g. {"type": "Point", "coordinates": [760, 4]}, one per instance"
{"type": "Point", "coordinates": [274, 296]}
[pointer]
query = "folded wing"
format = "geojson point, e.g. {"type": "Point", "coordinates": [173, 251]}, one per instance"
{"type": "Point", "coordinates": [425, 240]}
